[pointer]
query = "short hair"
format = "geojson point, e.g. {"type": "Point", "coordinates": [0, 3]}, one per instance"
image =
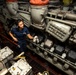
{"type": "Point", "coordinates": [19, 20]}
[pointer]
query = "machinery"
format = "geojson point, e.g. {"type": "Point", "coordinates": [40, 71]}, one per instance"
{"type": "Point", "coordinates": [54, 28]}
{"type": "Point", "coordinates": [10, 65]}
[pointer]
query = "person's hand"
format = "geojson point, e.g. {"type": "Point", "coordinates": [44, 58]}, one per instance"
{"type": "Point", "coordinates": [15, 39]}
{"type": "Point", "coordinates": [35, 39]}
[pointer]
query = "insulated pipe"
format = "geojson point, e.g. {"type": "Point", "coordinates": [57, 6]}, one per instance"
{"type": "Point", "coordinates": [38, 13]}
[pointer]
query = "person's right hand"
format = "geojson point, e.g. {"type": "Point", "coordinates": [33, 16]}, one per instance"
{"type": "Point", "coordinates": [35, 39]}
{"type": "Point", "coordinates": [15, 39]}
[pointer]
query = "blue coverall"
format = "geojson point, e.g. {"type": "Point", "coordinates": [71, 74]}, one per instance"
{"type": "Point", "coordinates": [20, 35]}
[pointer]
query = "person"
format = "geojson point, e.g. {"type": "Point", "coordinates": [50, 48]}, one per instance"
{"type": "Point", "coordinates": [18, 34]}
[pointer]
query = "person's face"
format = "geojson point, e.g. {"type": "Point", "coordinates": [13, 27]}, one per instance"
{"type": "Point", "coordinates": [21, 24]}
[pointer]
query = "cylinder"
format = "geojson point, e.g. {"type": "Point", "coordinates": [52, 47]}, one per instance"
{"type": "Point", "coordinates": [12, 6]}
{"type": "Point", "coordinates": [38, 13]}
{"type": "Point", "coordinates": [70, 16]}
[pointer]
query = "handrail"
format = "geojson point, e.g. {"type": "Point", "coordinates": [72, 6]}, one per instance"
{"type": "Point", "coordinates": [9, 39]}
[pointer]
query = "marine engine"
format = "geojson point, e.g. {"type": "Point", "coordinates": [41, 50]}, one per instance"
{"type": "Point", "coordinates": [54, 27]}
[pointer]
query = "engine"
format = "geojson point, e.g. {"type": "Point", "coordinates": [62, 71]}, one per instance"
{"type": "Point", "coordinates": [54, 28]}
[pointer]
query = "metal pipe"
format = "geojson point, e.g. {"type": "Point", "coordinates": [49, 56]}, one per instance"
{"type": "Point", "coordinates": [21, 11]}
{"type": "Point", "coordinates": [62, 21]}
{"type": "Point", "coordinates": [70, 16]}
{"type": "Point", "coordinates": [63, 14]}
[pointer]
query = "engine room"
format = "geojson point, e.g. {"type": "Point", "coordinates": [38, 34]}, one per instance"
{"type": "Point", "coordinates": [52, 24]}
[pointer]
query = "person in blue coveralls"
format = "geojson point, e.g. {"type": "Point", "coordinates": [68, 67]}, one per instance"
{"type": "Point", "coordinates": [18, 34]}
